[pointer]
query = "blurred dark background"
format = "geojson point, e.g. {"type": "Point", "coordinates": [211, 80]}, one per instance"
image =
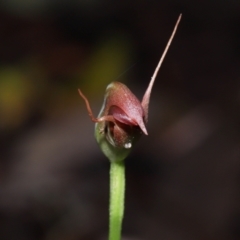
{"type": "Point", "coordinates": [182, 180]}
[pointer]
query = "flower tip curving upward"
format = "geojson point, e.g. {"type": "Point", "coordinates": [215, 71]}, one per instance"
{"type": "Point", "coordinates": [123, 117]}
{"type": "Point", "coordinates": [146, 97]}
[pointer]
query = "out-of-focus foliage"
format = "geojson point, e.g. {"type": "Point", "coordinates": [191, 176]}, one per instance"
{"type": "Point", "coordinates": [16, 94]}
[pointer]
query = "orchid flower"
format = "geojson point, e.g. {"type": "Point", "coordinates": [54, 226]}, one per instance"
{"type": "Point", "coordinates": [123, 118]}
{"type": "Point", "coordinates": [120, 123]}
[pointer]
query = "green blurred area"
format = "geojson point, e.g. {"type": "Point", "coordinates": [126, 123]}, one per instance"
{"type": "Point", "coordinates": [49, 82]}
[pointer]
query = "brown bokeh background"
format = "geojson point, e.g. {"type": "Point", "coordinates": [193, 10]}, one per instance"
{"type": "Point", "coordinates": [182, 180]}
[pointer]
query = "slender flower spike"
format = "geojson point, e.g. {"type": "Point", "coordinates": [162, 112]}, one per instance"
{"type": "Point", "coordinates": [123, 118]}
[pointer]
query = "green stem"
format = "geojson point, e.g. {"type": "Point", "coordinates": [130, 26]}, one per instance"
{"type": "Point", "coordinates": [117, 190]}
